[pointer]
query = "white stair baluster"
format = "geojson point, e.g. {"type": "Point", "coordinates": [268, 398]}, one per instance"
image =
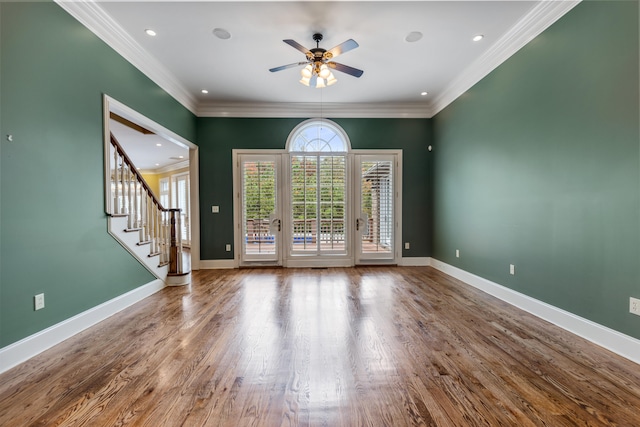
{"type": "Point", "coordinates": [115, 183]}
{"type": "Point", "coordinates": [129, 198]}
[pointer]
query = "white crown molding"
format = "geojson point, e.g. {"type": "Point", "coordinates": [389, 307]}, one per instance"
{"type": "Point", "coordinates": [541, 17]}
{"type": "Point", "coordinates": [617, 342]}
{"type": "Point", "coordinates": [305, 110]}
{"type": "Point", "coordinates": [92, 16]}
{"type": "Point", "coordinates": [172, 167]}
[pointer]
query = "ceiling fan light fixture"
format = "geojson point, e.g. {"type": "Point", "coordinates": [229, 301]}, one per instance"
{"type": "Point", "coordinates": [317, 68]}
{"type": "Point", "coordinates": [305, 80]}
{"type": "Point", "coordinates": [307, 71]}
{"type": "Point", "coordinates": [324, 71]}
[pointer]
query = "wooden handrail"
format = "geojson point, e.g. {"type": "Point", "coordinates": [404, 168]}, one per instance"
{"type": "Point", "coordinates": [132, 167]}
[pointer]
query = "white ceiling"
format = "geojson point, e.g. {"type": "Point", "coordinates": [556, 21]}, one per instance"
{"type": "Point", "coordinates": [185, 57]}
{"type": "Point", "coordinates": [151, 153]}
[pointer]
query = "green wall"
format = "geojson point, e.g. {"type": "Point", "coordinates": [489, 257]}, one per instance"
{"type": "Point", "coordinates": [53, 231]}
{"type": "Point", "coordinates": [538, 165]}
{"type": "Point", "coordinates": [218, 136]}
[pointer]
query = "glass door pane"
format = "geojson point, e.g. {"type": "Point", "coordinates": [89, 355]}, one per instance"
{"type": "Point", "coordinates": [375, 223]}
{"type": "Point", "coordinates": [304, 203]}
{"type": "Point", "coordinates": [318, 204]}
{"type": "Point", "coordinates": [332, 186]}
{"type": "Point", "coordinates": [261, 224]}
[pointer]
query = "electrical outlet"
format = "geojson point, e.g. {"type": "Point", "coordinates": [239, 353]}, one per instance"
{"type": "Point", "coordinates": [512, 269]}
{"type": "Point", "coordinates": [215, 209]}
{"type": "Point", "coordinates": [406, 245]}
{"type": "Point", "coordinates": [38, 301]}
{"type": "Point", "coordinates": [228, 247]}
{"type": "Point", "coordinates": [457, 253]}
{"type": "Point", "coordinates": [634, 306]}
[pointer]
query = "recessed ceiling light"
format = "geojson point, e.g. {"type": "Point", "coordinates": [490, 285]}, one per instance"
{"type": "Point", "coordinates": [424, 93]}
{"type": "Point", "coordinates": [205, 91]}
{"type": "Point", "coordinates": [157, 164]}
{"type": "Point", "coordinates": [221, 33]}
{"type": "Point", "coordinates": [150, 32]}
{"type": "Point", "coordinates": [181, 157]}
{"type": "Point", "coordinates": [158, 145]}
{"type": "Point", "coordinates": [478, 38]}
{"type": "Point", "coordinates": [413, 36]}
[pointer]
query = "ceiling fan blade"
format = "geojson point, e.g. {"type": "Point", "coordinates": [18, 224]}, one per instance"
{"type": "Point", "coordinates": [345, 69]}
{"type": "Point", "coordinates": [342, 48]}
{"type": "Point", "coordinates": [297, 45]}
{"type": "Point", "coordinates": [284, 67]}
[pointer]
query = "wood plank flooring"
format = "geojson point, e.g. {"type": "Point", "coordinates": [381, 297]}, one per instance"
{"type": "Point", "coordinates": [375, 346]}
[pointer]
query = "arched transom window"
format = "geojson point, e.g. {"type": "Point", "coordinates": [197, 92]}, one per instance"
{"type": "Point", "coordinates": [318, 171]}
{"type": "Point", "coordinates": [318, 136]}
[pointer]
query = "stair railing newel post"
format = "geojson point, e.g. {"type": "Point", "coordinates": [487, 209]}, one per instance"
{"type": "Point", "coordinates": [166, 243]}
{"type": "Point", "coordinates": [175, 244]}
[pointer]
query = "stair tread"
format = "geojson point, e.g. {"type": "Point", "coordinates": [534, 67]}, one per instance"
{"type": "Point", "coordinates": [131, 230]}
{"type": "Point", "coordinates": [145, 242]}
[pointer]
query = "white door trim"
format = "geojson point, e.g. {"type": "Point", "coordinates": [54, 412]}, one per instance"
{"type": "Point", "coordinates": [396, 154]}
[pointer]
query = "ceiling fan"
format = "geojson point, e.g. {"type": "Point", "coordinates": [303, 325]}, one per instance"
{"type": "Point", "coordinates": [319, 62]}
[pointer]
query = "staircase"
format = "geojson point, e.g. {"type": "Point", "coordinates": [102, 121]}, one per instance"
{"type": "Point", "coordinates": [139, 222]}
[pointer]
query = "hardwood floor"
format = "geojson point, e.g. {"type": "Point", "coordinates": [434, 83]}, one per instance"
{"type": "Point", "coordinates": [336, 347]}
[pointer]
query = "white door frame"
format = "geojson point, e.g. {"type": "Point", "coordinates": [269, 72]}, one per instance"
{"type": "Point", "coordinates": [236, 154]}
{"type": "Point", "coordinates": [397, 207]}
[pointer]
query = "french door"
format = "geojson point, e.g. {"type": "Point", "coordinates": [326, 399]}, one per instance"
{"type": "Point", "coordinates": [318, 197]}
{"type": "Point", "coordinates": [317, 209]}
{"type": "Point", "coordinates": [376, 208]}
{"type": "Point", "coordinates": [260, 209]}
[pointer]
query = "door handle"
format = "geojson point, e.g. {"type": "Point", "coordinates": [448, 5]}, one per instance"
{"type": "Point", "coordinates": [278, 223]}
{"type": "Point", "coordinates": [357, 224]}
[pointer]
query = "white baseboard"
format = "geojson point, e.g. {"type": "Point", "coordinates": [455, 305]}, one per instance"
{"type": "Point", "coordinates": [610, 339]}
{"type": "Point", "coordinates": [303, 262]}
{"type": "Point", "coordinates": [217, 264]}
{"type": "Point", "coordinates": [18, 352]}
{"type": "Point", "coordinates": [415, 261]}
